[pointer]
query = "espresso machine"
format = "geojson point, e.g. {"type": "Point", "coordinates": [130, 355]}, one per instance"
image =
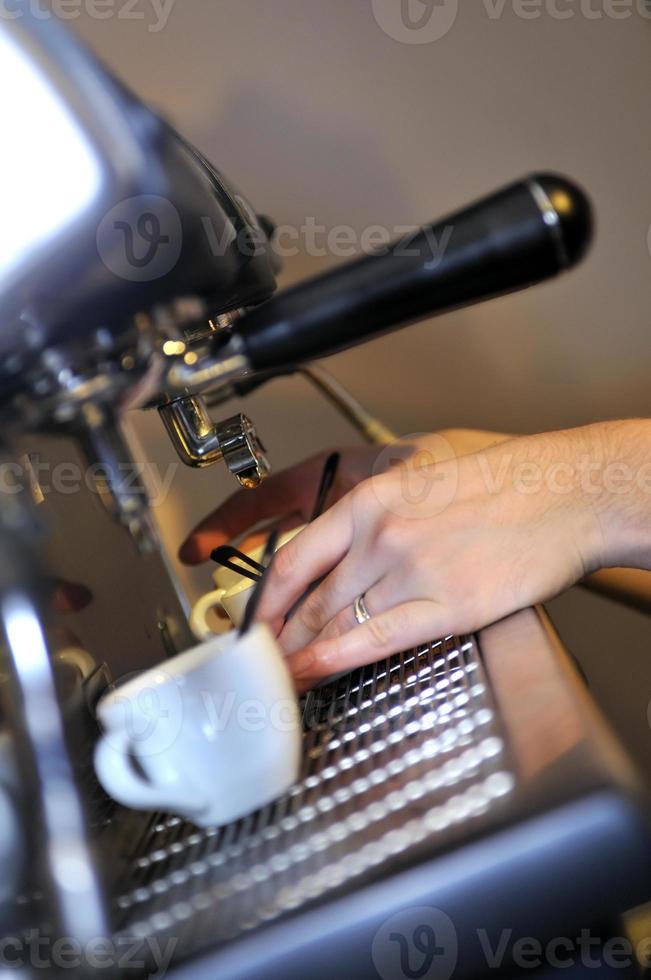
{"type": "Point", "coordinates": [134, 275]}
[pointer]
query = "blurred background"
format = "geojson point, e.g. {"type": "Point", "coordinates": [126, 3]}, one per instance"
{"type": "Point", "coordinates": [325, 112]}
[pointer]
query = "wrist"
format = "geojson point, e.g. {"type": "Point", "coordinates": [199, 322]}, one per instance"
{"type": "Point", "coordinates": [620, 491]}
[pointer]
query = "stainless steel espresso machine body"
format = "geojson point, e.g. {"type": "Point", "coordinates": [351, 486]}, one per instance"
{"type": "Point", "coordinates": [134, 275]}
{"type": "Point", "coordinates": [148, 281]}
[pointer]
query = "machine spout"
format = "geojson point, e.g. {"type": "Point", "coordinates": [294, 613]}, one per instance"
{"type": "Point", "coordinates": [200, 442]}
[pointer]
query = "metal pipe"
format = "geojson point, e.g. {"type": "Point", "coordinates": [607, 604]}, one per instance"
{"type": "Point", "coordinates": [372, 429]}
{"type": "Point", "coordinates": [192, 431]}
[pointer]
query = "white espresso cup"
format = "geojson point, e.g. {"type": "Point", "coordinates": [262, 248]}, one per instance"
{"type": "Point", "coordinates": [211, 734]}
{"type": "Point", "coordinates": [231, 593]}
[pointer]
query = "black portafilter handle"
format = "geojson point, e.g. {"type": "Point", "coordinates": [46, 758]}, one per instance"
{"type": "Point", "coordinates": [521, 235]}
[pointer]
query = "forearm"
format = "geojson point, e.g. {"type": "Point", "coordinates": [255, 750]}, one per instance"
{"type": "Point", "coordinates": [444, 542]}
{"type": "Point", "coordinates": [623, 493]}
{"type": "Point", "coordinates": [604, 467]}
{"type": "Point", "coordinates": [630, 586]}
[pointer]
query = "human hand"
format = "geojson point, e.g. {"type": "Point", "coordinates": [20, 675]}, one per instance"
{"type": "Point", "coordinates": [287, 498]}
{"type": "Point", "coordinates": [441, 549]}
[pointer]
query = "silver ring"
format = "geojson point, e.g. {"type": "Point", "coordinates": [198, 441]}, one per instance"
{"type": "Point", "coordinates": [362, 615]}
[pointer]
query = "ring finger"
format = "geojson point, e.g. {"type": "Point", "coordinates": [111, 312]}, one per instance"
{"type": "Point", "coordinates": [386, 594]}
{"type": "Point", "coordinates": [399, 628]}
{"type": "Point", "coordinates": [330, 609]}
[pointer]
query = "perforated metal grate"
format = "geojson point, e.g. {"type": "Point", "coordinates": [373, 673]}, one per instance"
{"type": "Point", "coordinates": [402, 754]}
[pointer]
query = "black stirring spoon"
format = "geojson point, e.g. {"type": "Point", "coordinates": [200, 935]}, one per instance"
{"type": "Point", "coordinates": [228, 557]}
{"type": "Point", "coordinates": [254, 601]}
{"type": "Point", "coordinates": [325, 486]}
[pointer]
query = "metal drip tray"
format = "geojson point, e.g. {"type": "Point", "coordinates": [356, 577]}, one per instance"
{"type": "Point", "coordinates": [472, 778]}
{"type": "Point", "coordinates": [402, 754]}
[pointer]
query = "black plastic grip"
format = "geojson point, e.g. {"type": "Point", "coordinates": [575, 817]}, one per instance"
{"type": "Point", "coordinates": [521, 235]}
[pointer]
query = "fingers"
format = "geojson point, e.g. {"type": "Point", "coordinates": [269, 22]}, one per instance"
{"type": "Point", "coordinates": [335, 593]}
{"type": "Point", "coordinates": [310, 555]}
{"type": "Point", "coordinates": [328, 610]}
{"type": "Point", "coordinates": [283, 493]}
{"type": "Point", "coordinates": [408, 625]}
{"type": "Point", "coordinates": [71, 597]}
{"type": "Point", "coordinates": [259, 538]}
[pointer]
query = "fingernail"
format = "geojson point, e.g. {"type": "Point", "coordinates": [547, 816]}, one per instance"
{"type": "Point", "coordinates": [302, 663]}
{"type": "Point", "coordinates": [189, 552]}
{"type": "Point", "coordinates": [71, 597]}
{"type": "Point", "coordinates": [276, 627]}
{"type": "Point", "coordinates": [197, 548]}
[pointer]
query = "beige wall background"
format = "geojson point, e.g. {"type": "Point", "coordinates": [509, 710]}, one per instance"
{"type": "Point", "coordinates": [316, 112]}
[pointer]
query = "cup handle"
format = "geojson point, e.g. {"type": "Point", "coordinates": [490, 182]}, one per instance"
{"type": "Point", "coordinates": [200, 610]}
{"type": "Point", "coordinates": [122, 781]}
